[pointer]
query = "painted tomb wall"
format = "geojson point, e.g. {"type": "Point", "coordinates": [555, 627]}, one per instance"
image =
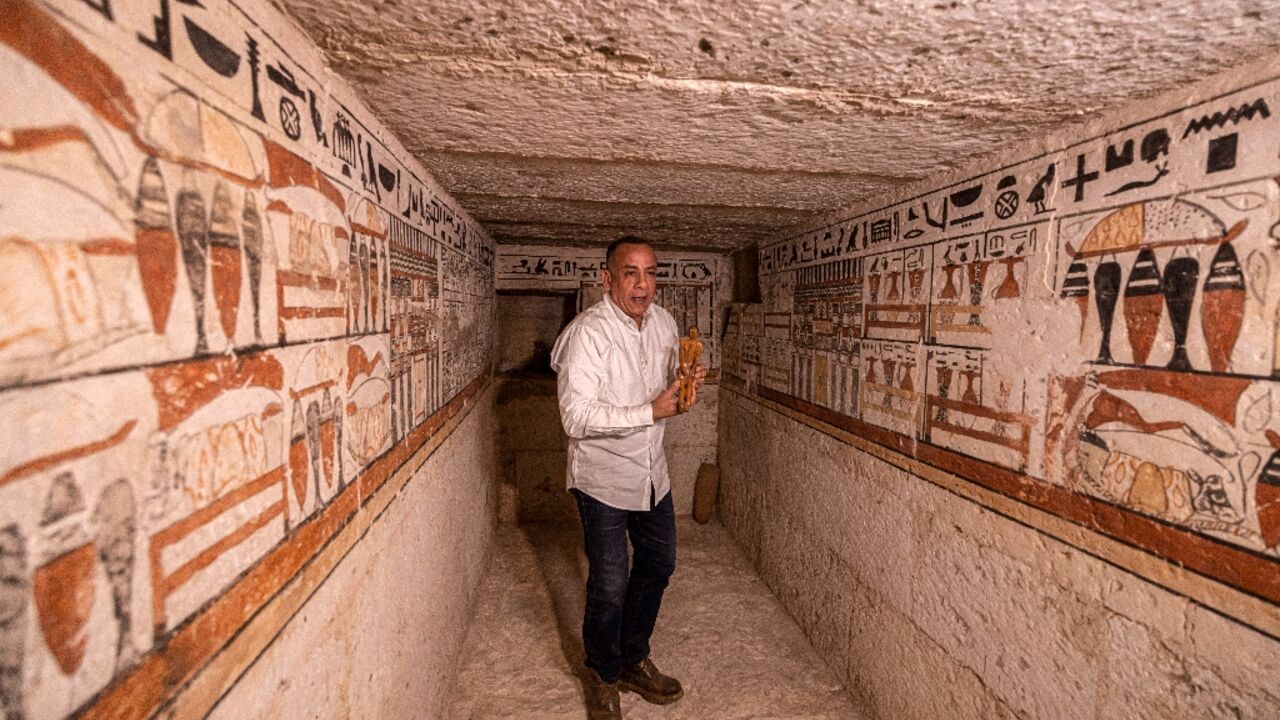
{"type": "Point", "coordinates": [232, 309]}
{"type": "Point", "coordinates": [417, 570]}
{"type": "Point", "coordinates": [694, 287]}
{"type": "Point", "coordinates": [1079, 335]}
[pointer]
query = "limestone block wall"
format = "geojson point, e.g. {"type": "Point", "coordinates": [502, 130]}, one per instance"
{"type": "Point", "coordinates": [1015, 430]}
{"type": "Point", "coordinates": [694, 287]}
{"type": "Point", "coordinates": [235, 318]}
{"type": "Point", "coordinates": [930, 603]}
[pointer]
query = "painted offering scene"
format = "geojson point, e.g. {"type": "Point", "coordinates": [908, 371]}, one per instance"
{"type": "Point", "coordinates": [1101, 319]}
{"type": "Point", "coordinates": [229, 296]}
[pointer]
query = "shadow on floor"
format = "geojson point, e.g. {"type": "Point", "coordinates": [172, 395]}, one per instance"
{"type": "Point", "coordinates": [558, 549]}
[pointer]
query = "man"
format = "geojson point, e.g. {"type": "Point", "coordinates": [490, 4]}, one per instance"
{"type": "Point", "coordinates": [617, 381]}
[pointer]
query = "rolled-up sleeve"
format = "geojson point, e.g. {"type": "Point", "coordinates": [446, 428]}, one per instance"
{"type": "Point", "coordinates": [581, 374]}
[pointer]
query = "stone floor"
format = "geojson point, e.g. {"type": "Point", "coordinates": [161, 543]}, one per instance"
{"type": "Point", "coordinates": [738, 653]}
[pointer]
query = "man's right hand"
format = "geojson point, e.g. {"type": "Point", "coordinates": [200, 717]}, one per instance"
{"type": "Point", "coordinates": [667, 405]}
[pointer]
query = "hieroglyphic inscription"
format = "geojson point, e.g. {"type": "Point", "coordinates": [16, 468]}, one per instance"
{"type": "Point", "coordinates": [1102, 319]}
{"type": "Point", "coordinates": [229, 295]}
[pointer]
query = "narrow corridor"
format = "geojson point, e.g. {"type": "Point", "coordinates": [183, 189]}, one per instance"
{"type": "Point", "coordinates": [722, 632]}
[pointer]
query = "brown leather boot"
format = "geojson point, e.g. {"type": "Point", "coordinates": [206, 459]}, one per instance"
{"type": "Point", "coordinates": [602, 698]}
{"type": "Point", "coordinates": [645, 679]}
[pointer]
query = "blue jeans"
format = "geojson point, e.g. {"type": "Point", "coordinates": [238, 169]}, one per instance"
{"type": "Point", "coordinates": [622, 610]}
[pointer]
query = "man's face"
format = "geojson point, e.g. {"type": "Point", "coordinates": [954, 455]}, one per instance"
{"type": "Point", "coordinates": [632, 278]}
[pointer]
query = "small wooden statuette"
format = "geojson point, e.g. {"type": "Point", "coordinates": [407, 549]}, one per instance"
{"type": "Point", "coordinates": [690, 349]}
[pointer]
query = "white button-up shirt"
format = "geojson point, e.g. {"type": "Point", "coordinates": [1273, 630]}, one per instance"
{"type": "Point", "coordinates": [609, 372]}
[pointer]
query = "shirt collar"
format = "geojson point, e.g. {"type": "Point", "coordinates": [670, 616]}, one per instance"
{"type": "Point", "coordinates": [625, 318]}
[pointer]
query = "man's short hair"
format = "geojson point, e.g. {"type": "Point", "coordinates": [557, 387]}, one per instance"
{"type": "Point", "coordinates": [624, 240]}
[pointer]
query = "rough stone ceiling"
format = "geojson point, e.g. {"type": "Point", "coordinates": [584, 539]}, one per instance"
{"type": "Point", "coordinates": [721, 124]}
